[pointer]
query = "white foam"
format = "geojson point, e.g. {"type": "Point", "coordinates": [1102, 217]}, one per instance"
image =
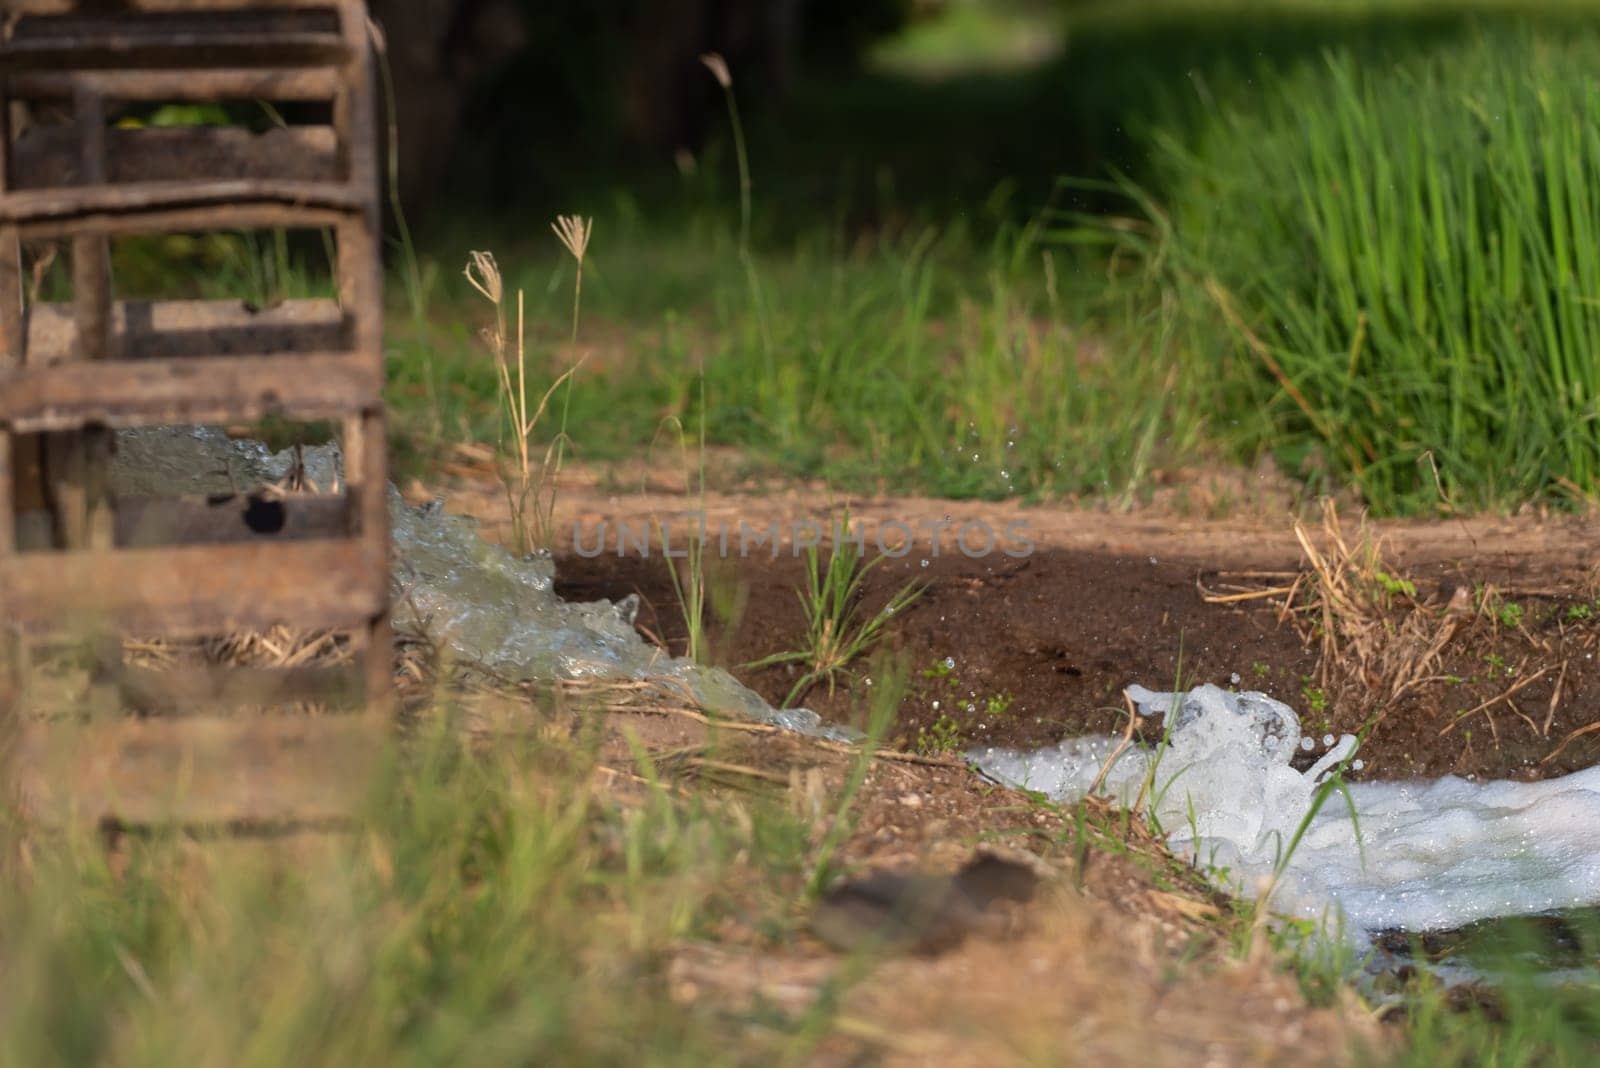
{"type": "Point", "coordinates": [1428, 856]}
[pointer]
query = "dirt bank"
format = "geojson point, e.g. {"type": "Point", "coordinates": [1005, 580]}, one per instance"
{"type": "Point", "coordinates": [1039, 646]}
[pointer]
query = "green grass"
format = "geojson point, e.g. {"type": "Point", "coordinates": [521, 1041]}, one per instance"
{"type": "Point", "coordinates": [1525, 1016]}
{"type": "Point", "coordinates": [974, 35]}
{"type": "Point", "coordinates": [838, 633]}
{"type": "Point", "coordinates": [493, 910]}
{"type": "Point", "coordinates": [1396, 267]}
{"type": "Point", "coordinates": [934, 362]}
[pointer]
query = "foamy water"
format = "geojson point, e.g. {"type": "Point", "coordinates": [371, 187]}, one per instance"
{"type": "Point", "coordinates": [1418, 856]}
{"type": "Point", "coordinates": [1427, 856]}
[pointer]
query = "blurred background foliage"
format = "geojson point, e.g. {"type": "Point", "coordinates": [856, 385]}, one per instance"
{"type": "Point", "coordinates": [1048, 247]}
{"type": "Point", "coordinates": [512, 104]}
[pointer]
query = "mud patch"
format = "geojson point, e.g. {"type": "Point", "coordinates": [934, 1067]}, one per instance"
{"type": "Point", "coordinates": [1026, 652]}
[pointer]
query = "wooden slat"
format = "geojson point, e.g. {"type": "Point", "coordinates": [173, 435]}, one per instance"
{"type": "Point", "coordinates": [5, 137]}
{"type": "Point", "coordinates": [282, 84]}
{"type": "Point", "coordinates": [196, 589]}
{"type": "Point", "coordinates": [8, 502]}
{"type": "Point", "coordinates": [154, 329]}
{"type": "Point", "coordinates": [253, 37]}
{"type": "Point", "coordinates": [258, 215]}
{"type": "Point", "coordinates": [136, 198]}
{"type": "Point", "coordinates": [120, 393]}
{"type": "Point", "coordinates": [46, 156]}
{"type": "Point", "coordinates": [91, 253]}
{"type": "Point", "coordinates": [368, 493]}
{"type": "Point", "coordinates": [68, 7]}
{"type": "Point", "coordinates": [210, 50]}
{"type": "Point", "coordinates": [215, 689]}
{"type": "Point", "coordinates": [12, 308]}
{"type": "Point", "coordinates": [201, 772]}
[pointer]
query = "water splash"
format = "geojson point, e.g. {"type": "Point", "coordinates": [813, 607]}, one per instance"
{"type": "Point", "coordinates": [501, 611]}
{"type": "Point", "coordinates": [488, 606]}
{"type": "Point", "coordinates": [1414, 856]}
{"type": "Point", "coordinates": [1418, 856]}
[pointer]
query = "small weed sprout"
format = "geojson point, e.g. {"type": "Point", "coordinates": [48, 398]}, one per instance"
{"type": "Point", "coordinates": [836, 633]}
{"type": "Point", "coordinates": [1316, 697]}
{"type": "Point", "coordinates": [691, 587]}
{"type": "Point", "coordinates": [690, 590]}
{"type": "Point", "coordinates": [998, 705]}
{"type": "Point", "coordinates": [942, 737]}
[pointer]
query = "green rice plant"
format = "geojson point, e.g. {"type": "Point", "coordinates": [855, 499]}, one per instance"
{"type": "Point", "coordinates": [1399, 263]}
{"type": "Point", "coordinates": [836, 631]}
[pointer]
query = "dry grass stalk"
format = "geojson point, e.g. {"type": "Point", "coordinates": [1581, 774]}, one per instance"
{"type": "Point", "coordinates": [1485, 706]}
{"type": "Point", "coordinates": [1121, 747]}
{"type": "Point", "coordinates": [278, 647]}
{"type": "Point", "coordinates": [1568, 740]}
{"type": "Point", "coordinates": [573, 231]}
{"type": "Point", "coordinates": [529, 479]}
{"type": "Point", "coordinates": [1352, 597]}
{"type": "Point", "coordinates": [718, 67]}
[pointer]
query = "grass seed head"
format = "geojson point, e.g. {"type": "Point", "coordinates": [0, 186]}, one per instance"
{"type": "Point", "coordinates": [574, 231]}
{"type": "Point", "coordinates": [719, 69]}
{"type": "Point", "coordinates": [484, 275]}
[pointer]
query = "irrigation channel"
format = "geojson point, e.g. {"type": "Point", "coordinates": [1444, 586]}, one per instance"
{"type": "Point", "coordinates": [1371, 862]}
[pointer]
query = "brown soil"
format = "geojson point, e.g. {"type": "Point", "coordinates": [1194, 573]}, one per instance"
{"type": "Point", "coordinates": [1042, 647]}
{"type": "Point", "coordinates": [1122, 952]}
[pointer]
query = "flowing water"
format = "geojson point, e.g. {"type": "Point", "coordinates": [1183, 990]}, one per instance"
{"type": "Point", "coordinates": [1370, 856]}
{"type": "Point", "coordinates": [1365, 856]}
{"type": "Point", "coordinates": [489, 607]}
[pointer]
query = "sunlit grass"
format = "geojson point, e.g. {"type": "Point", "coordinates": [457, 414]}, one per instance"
{"type": "Point", "coordinates": [1406, 258]}
{"type": "Point", "coordinates": [929, 363]}
{"type": "Point", "coordinates": [493, 909]}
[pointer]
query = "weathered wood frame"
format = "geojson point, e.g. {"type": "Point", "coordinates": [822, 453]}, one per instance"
{"type": "Point", "coordinates": [71, 374]}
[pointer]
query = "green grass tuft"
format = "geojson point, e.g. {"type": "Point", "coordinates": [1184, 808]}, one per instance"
{"type": "Point", "coordinates": [1400, 264]}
